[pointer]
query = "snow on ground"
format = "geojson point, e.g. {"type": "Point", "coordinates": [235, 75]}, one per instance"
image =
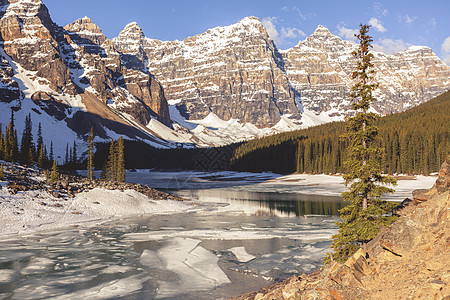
{"type": "Point", "coordinates": [32, 211]}
{"type": "Point", "coordinates": [213, 131]}
{"type": "Point", "coordinates": [334, 185]}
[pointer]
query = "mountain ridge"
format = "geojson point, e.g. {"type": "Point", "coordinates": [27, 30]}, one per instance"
{"type": "Point", "coordinates": [310, 67]}
{"type": "Point", "coordinates": [163, 91]}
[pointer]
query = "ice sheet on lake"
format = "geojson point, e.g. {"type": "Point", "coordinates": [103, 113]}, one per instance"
{"type": "Point", "coordinates": [115, 269]}
{"type": "Point", "coordinates": [234, 234]}
{"type": "Point", "coordinates": [109, 290]}
{"type": "Point", "coordinates": [8, 276]}
{"type": "Point", "coordinates": [241, 254]}
{"type": "Point", "coordinates": [321, 184]}
{"type": "Point", "coordinates": [196, 268]}
{"type": "Point", "coordinates": [290, 261]}
{"type": "Point", "coordinates": [38, 265]}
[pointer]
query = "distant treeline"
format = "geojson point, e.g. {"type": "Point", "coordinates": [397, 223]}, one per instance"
{"type": "Point", "coordinates": [415, 142]}
{"type": "Point", "coordinates": [139, 155]}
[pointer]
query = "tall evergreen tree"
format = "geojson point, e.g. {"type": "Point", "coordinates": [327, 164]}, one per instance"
{"type": "Point", "coordinates": [2, 144]}
{"type": "Point", "coordinates": [11, 146]}
{"type": "Point", "coordinates": [110, 170]}
{"type": "Point", "coordinates": [39, 140]}
{"type": "Point", "coordinates": [51, 152]}
{"type": "Point", "coordinates": [367, 212]}
{"type": "Point", "coordinates": [74, 154]}
{"type": "Point", "coordinates": [114, 168]}
{"type": "Point", "coordinates": [120, 174]}
{"type": "Point", "coordinates": [67, 159]}
{"type": "Point", "coordinates": [90, 158]}
{"type": "Point", "coordinates": [27, 147]}
{"type": "Point", "coordinates": [54, 175]}
{"type": "Point", "coordinates": [41, 156]}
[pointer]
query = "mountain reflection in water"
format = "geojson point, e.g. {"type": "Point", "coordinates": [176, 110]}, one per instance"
{"type": "Point", "coordinates": [269, 203]}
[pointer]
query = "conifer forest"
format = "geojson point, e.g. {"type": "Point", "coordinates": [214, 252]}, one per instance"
{"type": "Point", "coordinates": [414, 142]}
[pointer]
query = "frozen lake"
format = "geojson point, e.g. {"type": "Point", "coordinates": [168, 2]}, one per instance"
{"type": "Point", "coordinates": [244, 231]}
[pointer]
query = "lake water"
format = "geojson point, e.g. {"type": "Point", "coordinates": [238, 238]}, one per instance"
{"type": "Point", "coordinates": [235, 240]}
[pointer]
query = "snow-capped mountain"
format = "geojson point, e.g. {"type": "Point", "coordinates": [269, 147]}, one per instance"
{"type": "Point", "coordinates": [320, 69]}
{"type": "Point", "coordinates": [72, 79]}
{"type": "Point", "coordinates": [226, 85]}
{"type": "Point", "coordinates": [237, 72]}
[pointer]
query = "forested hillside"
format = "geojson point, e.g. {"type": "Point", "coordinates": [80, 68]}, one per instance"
{"type": "Point", "coordinates": [415, 142]}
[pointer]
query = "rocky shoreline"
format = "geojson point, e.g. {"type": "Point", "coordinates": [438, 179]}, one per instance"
{"type": "Point", "coordinates": [30, 203]}
{"type": "Point", "coordinates": [407, 260]}
{"type": "Point", "coordinates": [24, 179]}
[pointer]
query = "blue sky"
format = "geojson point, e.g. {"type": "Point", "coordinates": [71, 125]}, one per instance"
{"type": "Point", "coordinates": [395, 24]}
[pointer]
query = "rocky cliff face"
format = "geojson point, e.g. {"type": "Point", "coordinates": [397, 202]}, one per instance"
{"type": "Point", "coordinates": [320, 69]}
{"type": "Point", "coordinates": [237, 72]}
{"type": "Point", "coordinates": [108, 74]}
{"type": "Point", "coordinates": [408, 260]}
{"type": "Point", "coordinates": [234, 71]}
{"type": "Point", "coordinates": [65, 67]}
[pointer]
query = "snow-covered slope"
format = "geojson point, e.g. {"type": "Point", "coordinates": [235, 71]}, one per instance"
{"type": "Point", "coordinates": [226, 85]}
{"type": "Point", "coordinates": [320, 69]}
{"type": "Point", "coordinates": [72, 79]}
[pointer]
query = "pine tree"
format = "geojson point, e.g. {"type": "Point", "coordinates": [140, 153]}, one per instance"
{"type": "Point", "coordinates": [39, 141]}
{"type": "Point", "coordinates": [41, 157]}
{"type": "Point", "coordinates": [26, 147]}
{"type": "Point", "coordinates": [2, 144]}
{"type": "Point", "coordinates": [90, 159]}
{"type": "Point", "coordinates": [54, 175]}
{"type": "Point", "coordinates": [120, 174]}
{"type": "Point", "coordinates": [51, 152]}
{"type": "Point", "coordinates": [367, 212]}
{"type": "Point", "coordinates": [2, 173]}
{"type": "Point", "coordinates": [67, 155]}
{"type": "Point", "coordinates": [6, 145]}
{"type": "Point", "coordinates": [110, 170]}
{"type": "Point", "coordinates": [74, 154]}
{"type": "Point", "coordinates": [15, 146]}
{"type": "Point", "coordinates": [11, 147]}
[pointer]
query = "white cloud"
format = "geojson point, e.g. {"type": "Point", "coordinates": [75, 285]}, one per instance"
{"type": "Point", "coordinates": [285, 32]}
{"type": "Point", "coordinates": [410, 20]}
{"type": "Point", "coordinates": [407, 19]}
{"type": "Point", "coordinates": [446, 50]}
{"type": "Point", "coordinates": [446, 45]}
{"type": "Point", "coordinates": [291, 33]}
{"type": "Point", "coordinates": [390, 46]}
{"type": "Point", "coordinates": [347, 33]}
{"type": "Point", "coordinates": [269, 24]}
{"type": "Point", "coordinates": [375, 23]}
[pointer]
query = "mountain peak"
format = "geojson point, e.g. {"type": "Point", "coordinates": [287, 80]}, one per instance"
{"type": "Point", "coordinates": [250, 20]}
{"type": "Point", "coordinates": [24, 8]}
{"type": "Point", "coordinates": [132, 26]}
{"type": "Point", "coordinates": [322, 31]}
{"type": "Point", "coordinates": [249, 24]}
{"type": "Point", "coordinates": [132, 30]}
{"type": "Point", "coordinates": [84, 25]}
{"type": "Point", "coordinates": [86, 19]}
{"type": "Point", "coordinates": [5, 2]}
